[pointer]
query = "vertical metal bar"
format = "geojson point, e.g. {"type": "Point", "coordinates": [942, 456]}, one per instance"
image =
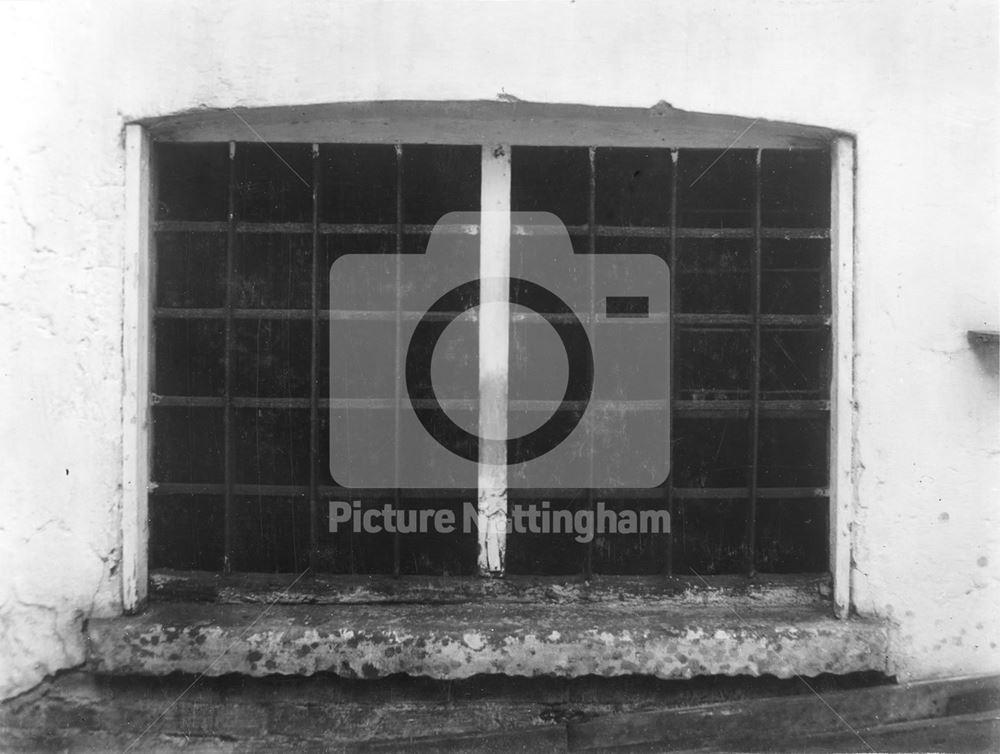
{"type": "Point", "coordinates": [228, 417]}
{"type": "Point", "coordinates": [396, 541]}
{"type": "Point", "coordinates": [674, 183]}
{"type": "Point", "coordinates": [755, 387]}
{"type": "Point", "coordinates": [588, 561]}
{"type": "Point", "coordinates": [494, 367]}
{"type": "Point", "coordinates": [314, 459]}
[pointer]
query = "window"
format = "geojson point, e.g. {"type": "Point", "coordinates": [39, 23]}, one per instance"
{"type": "Point", "coordinates": [245, 234]}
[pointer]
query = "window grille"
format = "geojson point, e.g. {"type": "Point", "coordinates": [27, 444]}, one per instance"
{"type": "Point", "coordinates": [245, 235]}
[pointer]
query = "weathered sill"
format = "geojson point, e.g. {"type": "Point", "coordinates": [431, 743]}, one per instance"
{"type": "Point", "coordinates": [461, 640]}
{"type": "Point", "coordinates": [667, 592]}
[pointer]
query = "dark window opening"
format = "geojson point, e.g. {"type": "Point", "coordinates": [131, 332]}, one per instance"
{"type": "Point", "coordinates": [241, 376]}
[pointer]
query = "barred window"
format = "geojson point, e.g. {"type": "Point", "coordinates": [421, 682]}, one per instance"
{"type": "Point", "coordinates": [245, 236]}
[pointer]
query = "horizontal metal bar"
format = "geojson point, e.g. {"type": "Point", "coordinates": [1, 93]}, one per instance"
{"type": "Point", "coordinates": [346, 493]}
{"type": "Point", "coordinates": [793, 320]}
{"type": "Point", "coordinates": [188, 401]}
{"type": "Point", "coordinates": [683, 407]}
{"type": "Point", "coordinates": [609, 231]}
{"type": "Point", "coordinates": [352, 229]}
{"type": "Point", "coordinates": [166, 312]}
{"type": "Point", "coordinates": [210, 488]}
{"type": "Point", "coordinates": [730, 407]}
{"type": "Point", "coordinates": [706, 319]}
{"type": "Point", "coordinates": [776, 493]}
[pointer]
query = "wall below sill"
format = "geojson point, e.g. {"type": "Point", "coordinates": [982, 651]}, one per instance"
{"type": "Point", "coordinates": [458, 641]}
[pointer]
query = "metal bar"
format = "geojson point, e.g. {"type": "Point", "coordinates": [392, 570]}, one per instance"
{"type": "Point", "coordinates": [228, 417]}
{"type": "Point", "coordinates": [718, 493]}
{"type": "Point", "coordinates": [314, 455]}
{"type": "Point", "coordinates": [755, 386]}
{"type": "Point", "coordinates": [789, 320]}
{"type": "Point", "coordinates": [685, 407]}
{"type": "Point", "coordinates": [494, 367]}
{"type": "Point", "coordinates": [719, 320]}
{"type": "Point", "coordinates": [358, 229]}
{"type": "Point", "coordinates": [397, 385]}
{"type": "Point", "coordinates": [588, 559]}
{"type": "Point", "coordinates": [353, 493]}
{"type": "Point", "coordinates": [671, 507]}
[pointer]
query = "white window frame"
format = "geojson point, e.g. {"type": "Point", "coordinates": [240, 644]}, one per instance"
{"type": "Point", "coordinates": [137, 296]}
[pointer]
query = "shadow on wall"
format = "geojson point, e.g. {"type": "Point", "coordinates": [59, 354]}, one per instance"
{"type": "Point", "coordinates": [986, 345]}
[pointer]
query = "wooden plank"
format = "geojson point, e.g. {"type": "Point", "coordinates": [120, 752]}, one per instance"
{"type": "Point", "coordinates": [494, 344]}
{"type": "Point", "coordinates": [136, 355]}
{"type": "Point", "coordinates": [782, 722]}
{"type": "Point", "coordinates": [842, 414]}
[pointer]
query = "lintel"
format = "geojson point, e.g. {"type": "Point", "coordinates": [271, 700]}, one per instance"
{"type": "Point", "coordinates": [486, 122]}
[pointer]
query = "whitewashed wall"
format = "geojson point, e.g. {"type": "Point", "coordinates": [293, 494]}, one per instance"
{"type": "Point", "coordinates": [916, 81]}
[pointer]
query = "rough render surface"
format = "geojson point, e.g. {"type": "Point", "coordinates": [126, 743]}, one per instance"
{"type": "Point", "coordinates": [451, 642]}
{"type": "Point", "coordinates": [914, 80]}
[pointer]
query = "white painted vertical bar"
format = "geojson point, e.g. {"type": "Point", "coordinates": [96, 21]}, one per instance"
{"type": "Point", "coordinates": [842, 413]}
{"type": "Point", "coordinates": [494, 323]}
{"type": "Point", "coordinates": [135, 353]}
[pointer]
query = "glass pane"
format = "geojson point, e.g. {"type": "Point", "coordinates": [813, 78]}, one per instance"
{"type": "Point", "coordinates": [551, 179]}
{"type": "Point", "coordinates": [793, 452]}
{"type": "Point", "coordinates": [795, 188]}
{"type": "Point", "coordinates": [270, 534]}
{"type": "Point", "coordinates": [795, 277]}
{"type": "Point", "coordinates": [344, 548]}
{"type": "Point", "coordinates": [186, 532]}
{"type": "Point", "coordinates": [715, 188]}
{"type": "Point", "coordinates": [633, 186]}
{"type": "Point", "coordinates": [271, 446]}
{"type": "Point", "coordinates": [273, 271]}
{"type": "Point", "coordinates": [546, 554]}
{"type": "Point", "coordinates": [433, 553]}
{"type": "Point", "coordinates": [712, 365]}
{"type": "Point", "coordinates": [794, 363]}
{"type": "Point", "coordinates": [358, 183]}
{"type": "Point", "coordinates": [190, 357]}
{"type": "Point", "coordinates": [190, 270]}
{"type": "Point", "coordinates": [439, 179]}
{"type": "Point", "coordinates": [187, 444]}
{"type": "Point", "coordinates": [271, 358]}
{"type": "Point", "coordinates": [193, 181]}
{"type": "Point", "coordinates": [710, 452]}
{"type": "Point", "coordinates": [274, 182]}
{"type": "Point", "coordinates": [627, 553]}
{"type": "Point", "coordinates": [792, 535]}
{"type": "Point", "coordinates": [710, 536]}
{"type": "Point", "coordinates": [713, 275]}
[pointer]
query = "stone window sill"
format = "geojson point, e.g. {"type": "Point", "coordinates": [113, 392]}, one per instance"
{"type": "Point", "coordinates": [616, 627]}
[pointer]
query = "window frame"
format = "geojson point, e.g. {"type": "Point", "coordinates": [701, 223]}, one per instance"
{"type": "Point", "coordinates": [479, 123]}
